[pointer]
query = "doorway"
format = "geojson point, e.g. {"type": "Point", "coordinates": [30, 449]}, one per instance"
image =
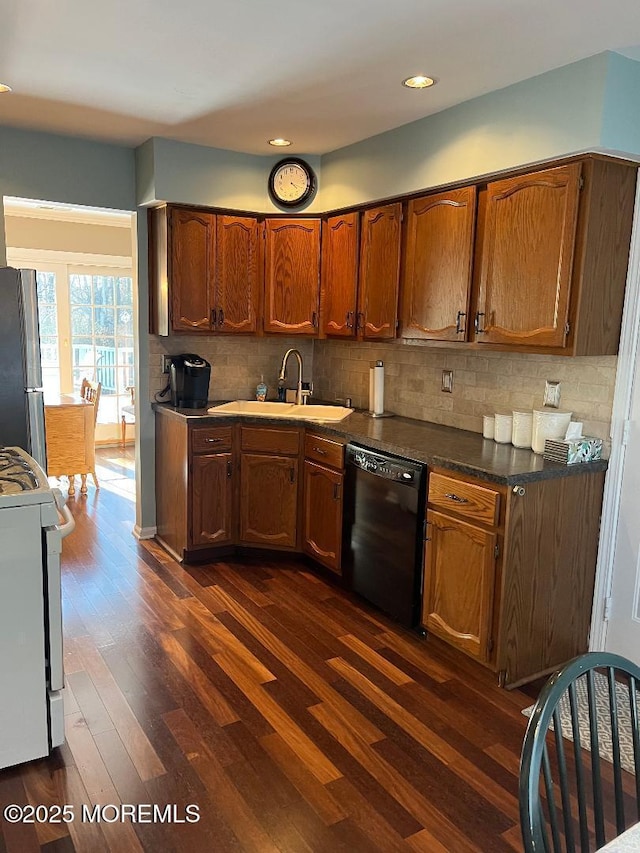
{"type": "Point", "coordinates": [85, 264]}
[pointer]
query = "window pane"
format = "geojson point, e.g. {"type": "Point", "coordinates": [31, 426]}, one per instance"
{"type": "Point", "coordinates": [48, 323]}
{"type": "Point", "coordinates": [103, 289]}
{"type": "Point", "coordinates": [125, 321]}
{"type": "Point", "coordinates": [103, 321]}
{"type": "Point", "coordinates": [46, 288]}
{"type": "Point", "coordinates": [80, 289]}
{"type": "Point", "coordinates": [81, 321]}
{"type": "Point", "coordinates": [48, 320]}
{"type": "Point", "coordinates": [125, 290]}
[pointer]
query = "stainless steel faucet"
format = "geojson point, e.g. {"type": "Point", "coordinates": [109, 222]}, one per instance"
{"type": "Point", "coordinates": [301, 398]}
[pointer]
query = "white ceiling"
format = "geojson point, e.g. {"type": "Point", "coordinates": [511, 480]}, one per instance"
{"type": "Point", "coordinates": [324, 73]}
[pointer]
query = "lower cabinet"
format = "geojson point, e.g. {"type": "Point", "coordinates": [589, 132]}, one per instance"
{"type": "Point", "coordinates": [460, 569]}
{"type": "Point", "coordinates": [269, 500]}
{"type": "Point", "coordinates": [510, 570]}
{"type": "Point", "coordinates": [269, 486]}
{"type": "Point", "coordinates": [212, 500]}
{"type": "Point", "coordinates": [322, 501]}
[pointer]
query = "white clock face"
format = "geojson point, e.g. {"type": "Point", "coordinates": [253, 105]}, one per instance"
{"type": "Point", "coordinates": [291, 182]}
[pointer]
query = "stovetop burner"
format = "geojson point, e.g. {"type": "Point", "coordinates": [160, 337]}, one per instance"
{"type": "Point", "coordinates": [15, 474]}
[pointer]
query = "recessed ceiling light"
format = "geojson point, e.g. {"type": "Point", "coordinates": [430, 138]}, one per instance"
{"type": "Point", "coordinates": [419, 82]}
{"type": "Point", "coordinates": [4, 88]}
{"type": "Point", "coordinates": [280, 143]}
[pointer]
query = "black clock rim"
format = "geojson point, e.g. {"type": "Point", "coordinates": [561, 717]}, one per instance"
{"type": "Point", "coordinates": [311, 182]}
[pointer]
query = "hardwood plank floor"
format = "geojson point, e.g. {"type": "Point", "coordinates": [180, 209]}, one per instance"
{"type": "Point", "coordinates": [291, 716]}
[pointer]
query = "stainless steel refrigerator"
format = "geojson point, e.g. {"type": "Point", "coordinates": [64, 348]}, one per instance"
{"type": "Point", "coordinates": [21, 397]}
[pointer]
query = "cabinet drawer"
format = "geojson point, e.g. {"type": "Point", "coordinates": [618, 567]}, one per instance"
{"type": "Point", "coordinates": [270, 440]}
{"type": "Point", "coordinates": [211, 439]}
{"type": "Point", "coordinates": [324, 450]}
{"type": "Point", "coordinates": [468, 499]}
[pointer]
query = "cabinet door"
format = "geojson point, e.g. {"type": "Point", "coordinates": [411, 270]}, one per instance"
{"type": "Point", "coordinates": [340, 243]}
{"type": "Point", "coordinates": [292, 275]}
{"type": "Point", "coordinates": [459, 577]}
{"type": "Point", "coordinates": [269, 500]}
{"type": "Point", "coordinates": [211, 499]}
{"type": "Point", "coordinates": [237, 283]}
{"type": "Point", "coordinates": [437, 275]}
{"type": "Point", "coordinates": [379, 272]}
{"type": "Point", "coordinates": [322, 515]}
{"type": "Point", "coordinates": [192, 237]}
{"type": "Point", "coordinates": [527, 258]}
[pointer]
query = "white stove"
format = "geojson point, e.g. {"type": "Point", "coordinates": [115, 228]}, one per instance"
{"type": "Point", "coordinates": [31, 671]}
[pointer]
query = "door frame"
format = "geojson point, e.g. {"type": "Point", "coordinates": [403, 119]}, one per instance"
{"type": "Point", "coordinates": [628, 363]}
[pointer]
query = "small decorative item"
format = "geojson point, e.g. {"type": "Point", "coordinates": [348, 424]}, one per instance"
{"type": "Point", "coordinates": [503, 428]}
{"type": "Point", "coordinates": [488, 426]}
{"type": "Point", "coordinates": [261, 390]}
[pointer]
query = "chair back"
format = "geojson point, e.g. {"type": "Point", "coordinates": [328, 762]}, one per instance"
{"type": "Point", "coordinates": [580, 762]}
{"type": "Point", "coordinates": [91, 391]}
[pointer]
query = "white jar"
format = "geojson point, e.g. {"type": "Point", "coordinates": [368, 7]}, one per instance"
{"type": "Point", "coordinates": [488, 426]}
{"type": "Point", "coordinates": [503, 428]}
{"type": "Point", "coordinates": [548, 423]}
{"type": "Point", "coordinates": [522, 429]}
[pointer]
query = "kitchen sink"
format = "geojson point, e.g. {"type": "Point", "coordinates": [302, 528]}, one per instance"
{"type": "Point", "coordinates": [311, 412]}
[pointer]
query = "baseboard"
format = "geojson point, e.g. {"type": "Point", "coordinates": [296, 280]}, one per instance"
{"type": "Point", "coordinates": [144, 532]}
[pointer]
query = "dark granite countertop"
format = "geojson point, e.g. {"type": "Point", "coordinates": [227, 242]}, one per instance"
{"type": "Point", "coordinates": [436, 445]}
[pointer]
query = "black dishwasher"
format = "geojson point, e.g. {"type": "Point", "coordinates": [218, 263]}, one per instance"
{"type": "Point", "coordinates": [383, 532]}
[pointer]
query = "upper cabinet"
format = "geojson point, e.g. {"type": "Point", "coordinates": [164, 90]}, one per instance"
{"type": "Point", "coordinates": [377, 316]}
{"type": "Point", "coordinates": [339, 290]}
{"type": "Point", "coordinates": [292, 276]}
{"type": "Point", "coordinates": [191, 263]}
{"type": "Point", "coordinates": [204, 271]}
{"type": "Point", "coordinates": [527, 258]}
{"type": "Point", "coordinates": [438, 265]}
{"type": "Point", "coordinates": [552, 261]}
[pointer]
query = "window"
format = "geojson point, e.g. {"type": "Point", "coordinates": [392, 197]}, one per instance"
{"type": "Point", "coordinates": [49, 340]}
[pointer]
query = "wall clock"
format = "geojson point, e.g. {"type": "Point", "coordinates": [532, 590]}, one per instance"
{"type": "Point", "coordinates": [291, 182]}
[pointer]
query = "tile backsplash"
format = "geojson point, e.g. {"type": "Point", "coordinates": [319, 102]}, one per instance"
{"type": "Point", "coordinates": [483, 382]}
{"type": "Point", "coordinates": [237, 363]}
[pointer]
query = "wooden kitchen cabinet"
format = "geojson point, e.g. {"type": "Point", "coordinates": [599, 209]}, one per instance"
{"type": "Point", "coordinates": [292, 276]}
{"type": "Point", "coordinates": [196, 486]}
{"type": "Point", "coordinates": [553, 254]}
{"type": "Point", "coordinates": [510, 571]}
{"type": "Point", "coordinates": [323, 501]}
{"type": "Point", "coordinates": [380, 244]}
{"type": "Point", "coordinates": [460, 563]}
{"type": "Point", "coordinates": [269, 484]}
{"type": "Point", "coordinates": [204, 271]}
{"type": "Point", "coordinates": [438, 265]}
{"type": "Point", "coordinates": [339, 287]}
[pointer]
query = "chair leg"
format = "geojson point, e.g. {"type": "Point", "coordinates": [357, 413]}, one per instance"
{"type": "Point", "coordinates": [72, 484]}
{"type": "Point", "coordinates": [83, 487]}
{"type": "Point", "coordinates": [95, 480]}
{"type": "Point", "coordinates": [123, 431]}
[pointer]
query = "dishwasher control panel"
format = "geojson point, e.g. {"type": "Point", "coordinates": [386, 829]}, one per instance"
{"type": "Point", "coordinates": [391, 468]}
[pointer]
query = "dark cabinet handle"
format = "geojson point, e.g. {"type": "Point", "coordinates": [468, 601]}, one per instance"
{"type": "Point", "coordinates": [320, 451]}
{"type": "Point", "coordinates": [479, 331]}
{"type": "Point", "coordinates": [359, 320]}
{"type": "Point", "coordinates": [314, 319]}
{"type": "Point", "coordinates": [460, 329]}
{"type": "Point", "coordinates": [350, 319]}
{"type": "Point", "coordinates": [456, 498]}
{"type": "Point", "coordinates": [336, 491]}
{"type": "Point", "coordinates": [221, 317]}
{"type": "Point", "coordinates": [229, 470]}
{"type": "Point", "coordinates": [292, 474]}
{"type": "Point", "coordinates": [212, 440]}
{"type": "Point", "coordinates": [214, 317]}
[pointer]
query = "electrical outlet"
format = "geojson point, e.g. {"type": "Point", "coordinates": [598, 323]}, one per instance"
{"type": "Point", "coordinates": [166, 361]}
{"type": "Point", "coordinates": [447, 381]}
{"type": "Point", "coordinates": [551, 394]}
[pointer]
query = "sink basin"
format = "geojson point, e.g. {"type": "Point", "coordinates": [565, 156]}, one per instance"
{"type": "Point", "coordinates": [282, 410]}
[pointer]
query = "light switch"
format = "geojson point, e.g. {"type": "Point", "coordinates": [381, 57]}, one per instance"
{"type": "Point", "coordinates": [447, 381]}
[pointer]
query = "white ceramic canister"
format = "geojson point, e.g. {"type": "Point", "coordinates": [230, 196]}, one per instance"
{"type": "Point", "coordinates": [488, 426]}
{"type": "Point", "coordinates": [548, 423]}
{"type": "Point", "coordinates": [522, 429]}
{"type": "Point", "coordinates": [503, 428]}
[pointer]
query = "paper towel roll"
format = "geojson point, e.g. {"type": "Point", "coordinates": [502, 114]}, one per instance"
{"type": "Point", "coordinates": [376, 388]}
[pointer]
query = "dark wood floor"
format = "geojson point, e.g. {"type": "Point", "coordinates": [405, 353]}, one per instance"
{"type": "Point", "coordinates": [292, 717]}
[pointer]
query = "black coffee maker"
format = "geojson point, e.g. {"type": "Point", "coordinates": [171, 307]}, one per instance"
{"type": "Point", "coordinates": [189, 381]}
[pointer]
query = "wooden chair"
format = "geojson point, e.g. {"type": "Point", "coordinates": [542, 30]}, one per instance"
{"type": "Point", "coordinates": [89, 391]}
{"type": "Point", "coordinates": [128, 414]}
{"type": "Point", "coordinates": [580, 762]}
